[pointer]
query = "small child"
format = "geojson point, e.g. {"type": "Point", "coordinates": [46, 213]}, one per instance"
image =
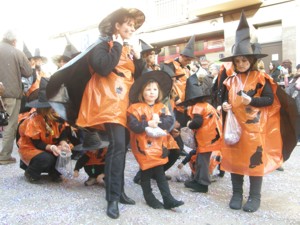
{"type": "Point", "coordinates": [93, 160]}
{"type": "Point", "coordinates": [148, 113]}
{"type": "Point", "coordinates": [207, 126]}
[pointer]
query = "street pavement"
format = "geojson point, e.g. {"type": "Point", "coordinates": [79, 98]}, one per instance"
{"type": "Point", "coordinates": [70, 202]}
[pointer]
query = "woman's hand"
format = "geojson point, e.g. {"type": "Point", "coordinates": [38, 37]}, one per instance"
{"type": "Point", "coordinates": [226, 106]}
{"type": "Point", "coordinates": [118, 38]}
{"type": "Point", "coordinates": [55, 150]}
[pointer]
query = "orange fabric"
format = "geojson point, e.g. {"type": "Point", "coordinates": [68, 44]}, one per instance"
{"type": "Point", "coordinates": [171, 143]}
{"type": "Point", "coordinates": [35, 86]}
{"type": "Point", "coordinates": [25, 114]}
{"type": "Point", "coordinates": [213, 162]}
{"type": "Point", "coordinates": [180, 84]}
{"type": "Point", "coordinates": [192, 163]}
{"type": "Point", "coordinates": [147, 150]}
{"type": "Point", "coordinates": [105, 99]}
{"type": "Point", "coordinates": [207, 132]}
{"type": "Point", "coordinates": [34, 127]}
{"type": "Point", "coordinates": [94, 159]}
{"type": "Point", "coordinates": [259, 150]}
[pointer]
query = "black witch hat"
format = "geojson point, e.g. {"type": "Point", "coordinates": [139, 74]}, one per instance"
{"type": "Point", "coordinates": [243, 45]}
{"type": "Point", "coordinates": [69, 52]}
{"type": "Point", "coordinates": [91, 141]}
{"type": "Point", "coordinates": [162, 78]}
{"type": "Point", "coordinates": [41, 101]}
{"type": "Point", "coordinates": [147, 47]}
{"type": "Point", "coordinates": [189, 48]}
{"type": "Point", "coordinates": [26, 51]}
{"type": "Point", "coordinates": [195, 91]}
{"type": "Point", "coordinates": [37, 55]}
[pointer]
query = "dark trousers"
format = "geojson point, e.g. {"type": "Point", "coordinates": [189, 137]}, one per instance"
{"type": "Point", "coordinates": [173, 156]}
{"type": "Point", "coordinates": [202, 168]}
{"type": "Point", "coordinates": [115, 161]}
{"type": "Point", "coordinates": [94, 170]}
{"type": "Point", "coordinates": [42, 163]}
{"type": "Point", "coordinates": [157, 173]}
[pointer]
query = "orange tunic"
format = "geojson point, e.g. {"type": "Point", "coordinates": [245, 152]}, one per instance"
{"type": "Point", "coordinates": [147, 150]}
{"type": "Point", "coordinates": [34, 127]}
{"type": "Point", "coordinates": [180, 84]}
{"type": "Point", "coordinates": [259, 150]}
{"type": "Point", "coordinates": [94, 159]}
{"type": "Point", "coordinates": [206, 134]}
{"type": "Point", "coordinates": [105, 99]}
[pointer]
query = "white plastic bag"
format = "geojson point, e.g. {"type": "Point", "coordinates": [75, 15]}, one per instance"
{"type": "Point", "coordinates": [64, 164]}
{"type": "Point", "coordinates": [233, 130]}
{"type": "Point", "coordinates": [188, 137]}
{"type": "Point", "coordinates": [155, 132]}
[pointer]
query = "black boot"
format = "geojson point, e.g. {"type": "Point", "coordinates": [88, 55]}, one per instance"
{"type": "Point", "coordinates": [253, 201]}
{"type": "Point", "coordinates": [237, 191]}
{"type": "Point", "coordinates": [169, 201]}
{"type": "Point", "coordinates": [112, 209]}
{"type": "Point", "coordinates": [124, 199]}
{"type": "Point", "coordinates": [137, 177]}
{"type": "Point", "coordinates": [149, 196]}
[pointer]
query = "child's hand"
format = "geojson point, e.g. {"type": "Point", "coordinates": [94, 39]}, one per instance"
{"type": "Point", "coordinates": [55, 150]}
{"type": "Point", "coordinates": [153, 123]}
{"type": "Point", "coordinates": [76, 173]}
{"type": "Point", "coordinates": [175, 133]}
{"type": "Point", "coordinates": [156, 118]}
{"type": "Point", "coordinates": [180, 166]}
{"type": "Point", "coordinates": [100, 178]}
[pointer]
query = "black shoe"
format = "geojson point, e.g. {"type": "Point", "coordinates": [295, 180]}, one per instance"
{"type": "Point", "coordinates": [112, 209]}
{"type": "Point", "coordinates": [31, 179]}
{"type": "Point", "coordinates": [124, 199]}
{"type": "Point", "coordinates": [196, 186]}
{"type": "Point", "coordinates": [172, 204]}
{"type": "Point", "coordinates": [221, 173]}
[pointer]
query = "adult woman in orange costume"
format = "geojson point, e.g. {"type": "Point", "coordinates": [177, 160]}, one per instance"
{"type": "Point", "coordinates": [250, 94]}
{"type": "Point", "coordinates": [111, 68]}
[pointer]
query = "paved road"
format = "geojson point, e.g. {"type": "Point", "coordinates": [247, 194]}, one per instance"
{"type": "Point", "coordinates": [70, 202]}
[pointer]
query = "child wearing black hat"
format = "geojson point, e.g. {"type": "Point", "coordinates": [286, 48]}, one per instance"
{"type": "Point", "coordinates": [148, 120]}
{"type": "Point", "coordinates": [207, 126]}
{"type": "Point", "coordinates": [93, 160]}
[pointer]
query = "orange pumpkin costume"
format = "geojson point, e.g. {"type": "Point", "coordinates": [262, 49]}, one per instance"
{"type": "Point", "coordinates": [34, 127]}
{"type": "Point", "coordinates": [207, 136]}
{"type": "Point", "coordinates": [147, 150]}
{"type": "Point", "coordinates": [105, 98]}
{"type": "Point", "coordinates": [263, 153]}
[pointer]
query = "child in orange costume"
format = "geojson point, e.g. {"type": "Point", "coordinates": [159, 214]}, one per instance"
{"type": "Point", "coordinates": [42, 138]}
{"type": "Point", "coordinates": [147, 112]}
{"type": "Point", "coordinates": [207, 126]}
{"type": "Point", "coordinates": [93, 160]}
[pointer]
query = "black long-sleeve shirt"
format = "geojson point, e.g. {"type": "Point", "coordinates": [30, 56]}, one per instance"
{"type": "Point", "coordinates": [138, 127]}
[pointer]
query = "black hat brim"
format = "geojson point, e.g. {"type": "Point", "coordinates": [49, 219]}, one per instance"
{"type": "Point", "coordinates": [80, 147]}
{"type": "Point", "coordinates": [162, 78]}
{"type": "Point", "coordinates": [230, 58]}
{"type": "Point", "coordinates": [191, 101]}
{"type": "Point", "coordinates": [37, 104]}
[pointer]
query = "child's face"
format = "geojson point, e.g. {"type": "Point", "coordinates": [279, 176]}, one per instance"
{"type": "Point", "coordinates": [150, 93]}
{"type": "Point", "coordinates": [242, 63]}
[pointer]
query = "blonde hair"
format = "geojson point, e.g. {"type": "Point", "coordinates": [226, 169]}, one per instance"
{"type": "Point", "coordinates": [160, 95]}
{"type": "Point", "coordinates": [47, 113]}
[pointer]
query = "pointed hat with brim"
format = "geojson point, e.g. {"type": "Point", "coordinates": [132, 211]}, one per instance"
{"type": "Point", "coordinates": [189, 48]}
{"type": "Point", "coordinates": [147, 47]}
{"type": "Point", "coordinates": [37, 54]}
{"type": "Point", "coordinates": [195, 91]}
{"type": "Point", "coordinates": [26, 51]}
{"type": "Point", "coordinates": [69, 53]}
{"type": "Point", "coordinates": [243, 45]}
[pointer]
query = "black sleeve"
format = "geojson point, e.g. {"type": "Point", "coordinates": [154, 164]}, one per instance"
{"type": "Point", "coordinates": [188, 157]}
{"type": "Point", "coordinates": [139, 65]}
{"type": "Point", "coordinates": [135, 125]}
{"type": "Point", "coordinates": [167, 122]}
{"type": "Point", "coordinates": [39, 144]}
{"type": "Point", "coordinates": [196, 122]}
{"type": "Point", "coordinates": [63, 136]}
{"type": "Point", "coordinates": [103, 60]}
{"type": "Point", "coordinates": [81, 162]}
{"type": "Point", "coordinates": [266, 98]}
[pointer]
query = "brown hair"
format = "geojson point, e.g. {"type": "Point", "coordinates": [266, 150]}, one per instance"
{"type": "Point", "coordinates": [160, 94]}
{"type": "Point", "coordinates": [47, 113]}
